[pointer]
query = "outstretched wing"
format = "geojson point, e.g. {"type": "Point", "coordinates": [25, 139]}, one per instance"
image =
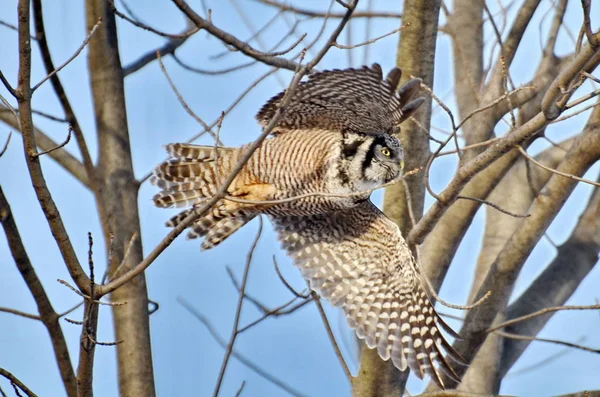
{"type": "Point", "coordinates": [348, 100]}
{"type": "Point", "coordinates": [358, 260]}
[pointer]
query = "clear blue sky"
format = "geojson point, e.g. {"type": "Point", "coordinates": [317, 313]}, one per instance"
{"type": "Point", "coordinates": [293, 348]}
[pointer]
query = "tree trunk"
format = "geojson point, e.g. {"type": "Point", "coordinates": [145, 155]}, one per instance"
{"type": "Point", "coordinates": [416, 57]}
{"type": "Point", "coordinates": [119, 191]}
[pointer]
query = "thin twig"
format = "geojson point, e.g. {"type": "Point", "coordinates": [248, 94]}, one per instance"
{"type": "Point", "coordinates": [284, 281]}
{"type": "Point", "coordinates": [349, 47]}
{"type": "Point", "coordinates": [241, 388]}
{"type": "Point", "coordinates": [238, 288]}
{"type": "Point", "coordinates": [557, 172]}
{"type": "Point", "coordinates": [238, 312]}
{"type": "Point", "coordinates": [494, 206]}
{"type": "Point", "coordinates": [568, 116]}
{"type": "Point", "coordinates": [6, 144]}
{"type": "Point", "coordinates": [16, 382]}
{"type": "Point", "coordinates": [541, 312]}
{"type": "Point", "coordinates": [586, 5]}
{"type": "Point", "coordinates": [182, 101]}
{"type": "Point", "coordinates": [57, 146]}
{"type": "Point", "coordinates": [87, 298]}
{"type": "Point", "coordinates": [555, 341]}
{"type": "Point", "coordinates": [213, 332]}
{"type": "Point", "coordinates": [582, 99]}
{"type": "Point", "coordinates": [336, 347]}
{"type": "Point", "coordinates": [68, 61]}
{"type": "Point", "coordinates": [7, 85]}
{"type": "Point", "coordinates": [72, 309]}
{"type": "Point", "coordinates": [277, 312]}
{"type": "Point", "coordinates": [318, 14]}
{"type": "Point", "coordinates": [473, 146]}
{"type": "Point", "coordinates": [19, 313]}
{"type": "Point", "coordinates": [544, 361]}
{"type": "Point", "coordinates": [125, 256]}
{"type": "Point", "coordinates": [324, 194]}
{"type": "Point", "coordinates": [168, 48]}
{"type": "Point", "coordinates": [148, 27]}
{"type": "Point", "coordinates": [236, 43]}
{"type": "Point", "coordinates": [212, 72]}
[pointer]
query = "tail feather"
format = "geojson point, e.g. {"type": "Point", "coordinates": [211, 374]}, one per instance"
{"type": "Point", "coordinates": [196, 152]}
{"type": "Point", "coordinates": [225, 228]}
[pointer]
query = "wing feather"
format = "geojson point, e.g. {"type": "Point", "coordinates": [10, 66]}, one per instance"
{"type": "Point", "coordinates": [358, 259]}
{"type": "Point", "coordinates": [347, 100]}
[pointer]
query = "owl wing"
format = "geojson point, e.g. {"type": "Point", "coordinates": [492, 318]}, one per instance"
{"type": "Point", "coordinates": [348, 100]}
{"type": "Point", "coordinates": [358, 260]}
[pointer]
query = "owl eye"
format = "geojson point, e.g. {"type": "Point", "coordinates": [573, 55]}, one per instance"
{"type": "Point", "coordinates": [386, 152]}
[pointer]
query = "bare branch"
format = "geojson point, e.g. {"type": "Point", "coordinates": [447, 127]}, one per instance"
{"type": "Point", "coordinates": [68, 61]}
{"type": "Point", "coordinates": [7, 85]}
{"type": "Point", "coordinates": [557, 94]}
{"type": "Point", "coordinates": [593, 39]}
{"type": "Point", "coordinates": [57, 146]}
{"type": "Point", "coordinates": [213, 332]}
{"type": "Point", "coordinates": [506, 266]}
{"type": "Point", "coordinates": [33, 163]}
{"type": "Point", "coordinates": [40, 29]}
{"type": "Point", "coordinates": [46, 313]}
{"type": "Point", "coordinates": [575, 177]}
{"type": "Point", "coordinates": [555, 341]}
{"type": "Point", "coordinates": [585, 59]}
{"type": "Point", "coordinates": [317, 14]}
{"type": "Point", "coordinates": [574, 260]}
{"type": "Point", "coordinates": [183, 102]}
{"type": "Point", "coordinates": [238, 311]}
{"type": "Point", "coordinates": [168, 48]}
{"type": "Point", "coordinates": [227, 38]}
{"type": "Point", "coordinates": [541, 312]}
{"type": "Point", "coordinates": [149, 28]}
{"type": "Point", "coordinates": [62, 157]}
{"type": "Point", "coordinates": [20, 313]}
{"type": "Point", "coordinates": [5, 148]}
{"type": "Point", "coordinates": [348, 47]}
{"type": "Point", "coordinates": [17, 383]}
{"type": "Point", "coordinates": [336, 348]}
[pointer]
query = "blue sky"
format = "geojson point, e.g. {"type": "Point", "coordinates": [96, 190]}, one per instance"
{"type": "Point", "coordinates": [293, 348]}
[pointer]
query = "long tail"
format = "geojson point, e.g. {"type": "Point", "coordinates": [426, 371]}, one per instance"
{"type": "Point", "coordinates": [192, 176]}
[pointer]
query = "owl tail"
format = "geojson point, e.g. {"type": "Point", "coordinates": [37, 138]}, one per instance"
{"type": "Point", "coordinates": [214, 229]}
{"type": "Point", "coordinates": [192, 176]}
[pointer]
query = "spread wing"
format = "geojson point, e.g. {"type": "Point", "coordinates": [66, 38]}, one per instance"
{"type": "Point", "coordinates": [358, 260]}
{"type": "Point", "coordinates": [348, 100]}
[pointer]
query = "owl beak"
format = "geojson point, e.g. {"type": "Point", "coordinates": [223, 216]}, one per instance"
{"type": "Point", "coordinates": [401, 166]}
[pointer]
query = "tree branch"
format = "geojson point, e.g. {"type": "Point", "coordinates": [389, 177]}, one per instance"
{"type": "Point", "coordinates": [33, 162]}
{"type": "Point", "coordinates": [575, 258]}
{"type": "Point", "coordinates": [227, 38]}
{"type": "Point", "coordinates": [16, 382]}
{"type": "Point", "coordinates": [65, 159]}
{"type": "Point", "coordinates": [46, 313]}
{"type": "Point", "coordinates": [511, 258]}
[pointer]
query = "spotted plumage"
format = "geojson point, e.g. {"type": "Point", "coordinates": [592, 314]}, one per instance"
{"type": "Point", "coordinates": [335, 138]}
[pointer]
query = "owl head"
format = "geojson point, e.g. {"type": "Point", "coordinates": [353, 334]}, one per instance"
{"type": "Point", "coordinates": [371, 161]}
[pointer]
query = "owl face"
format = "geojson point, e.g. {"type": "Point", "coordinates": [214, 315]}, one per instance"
{"type": "Point", "coordinates": [384, 160]}
{"type": "Point", "coordinates": [370, 161]}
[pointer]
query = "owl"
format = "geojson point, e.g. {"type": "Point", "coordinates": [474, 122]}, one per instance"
{"type": "Point", "coordinates": [335, 137]}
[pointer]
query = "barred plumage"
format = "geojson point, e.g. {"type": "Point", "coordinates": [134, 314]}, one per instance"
{"type": "Point", "coordinates": [348, 100]}
{"type": "Point", "coordinates": [338, 139]}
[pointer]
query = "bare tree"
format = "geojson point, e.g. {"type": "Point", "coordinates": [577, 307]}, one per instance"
{"type": "Point", "coordinates": [497, 125]}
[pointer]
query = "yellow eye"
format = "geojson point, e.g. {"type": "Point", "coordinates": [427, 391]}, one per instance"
{"type": "Point", "coordinates": [386, 152]}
